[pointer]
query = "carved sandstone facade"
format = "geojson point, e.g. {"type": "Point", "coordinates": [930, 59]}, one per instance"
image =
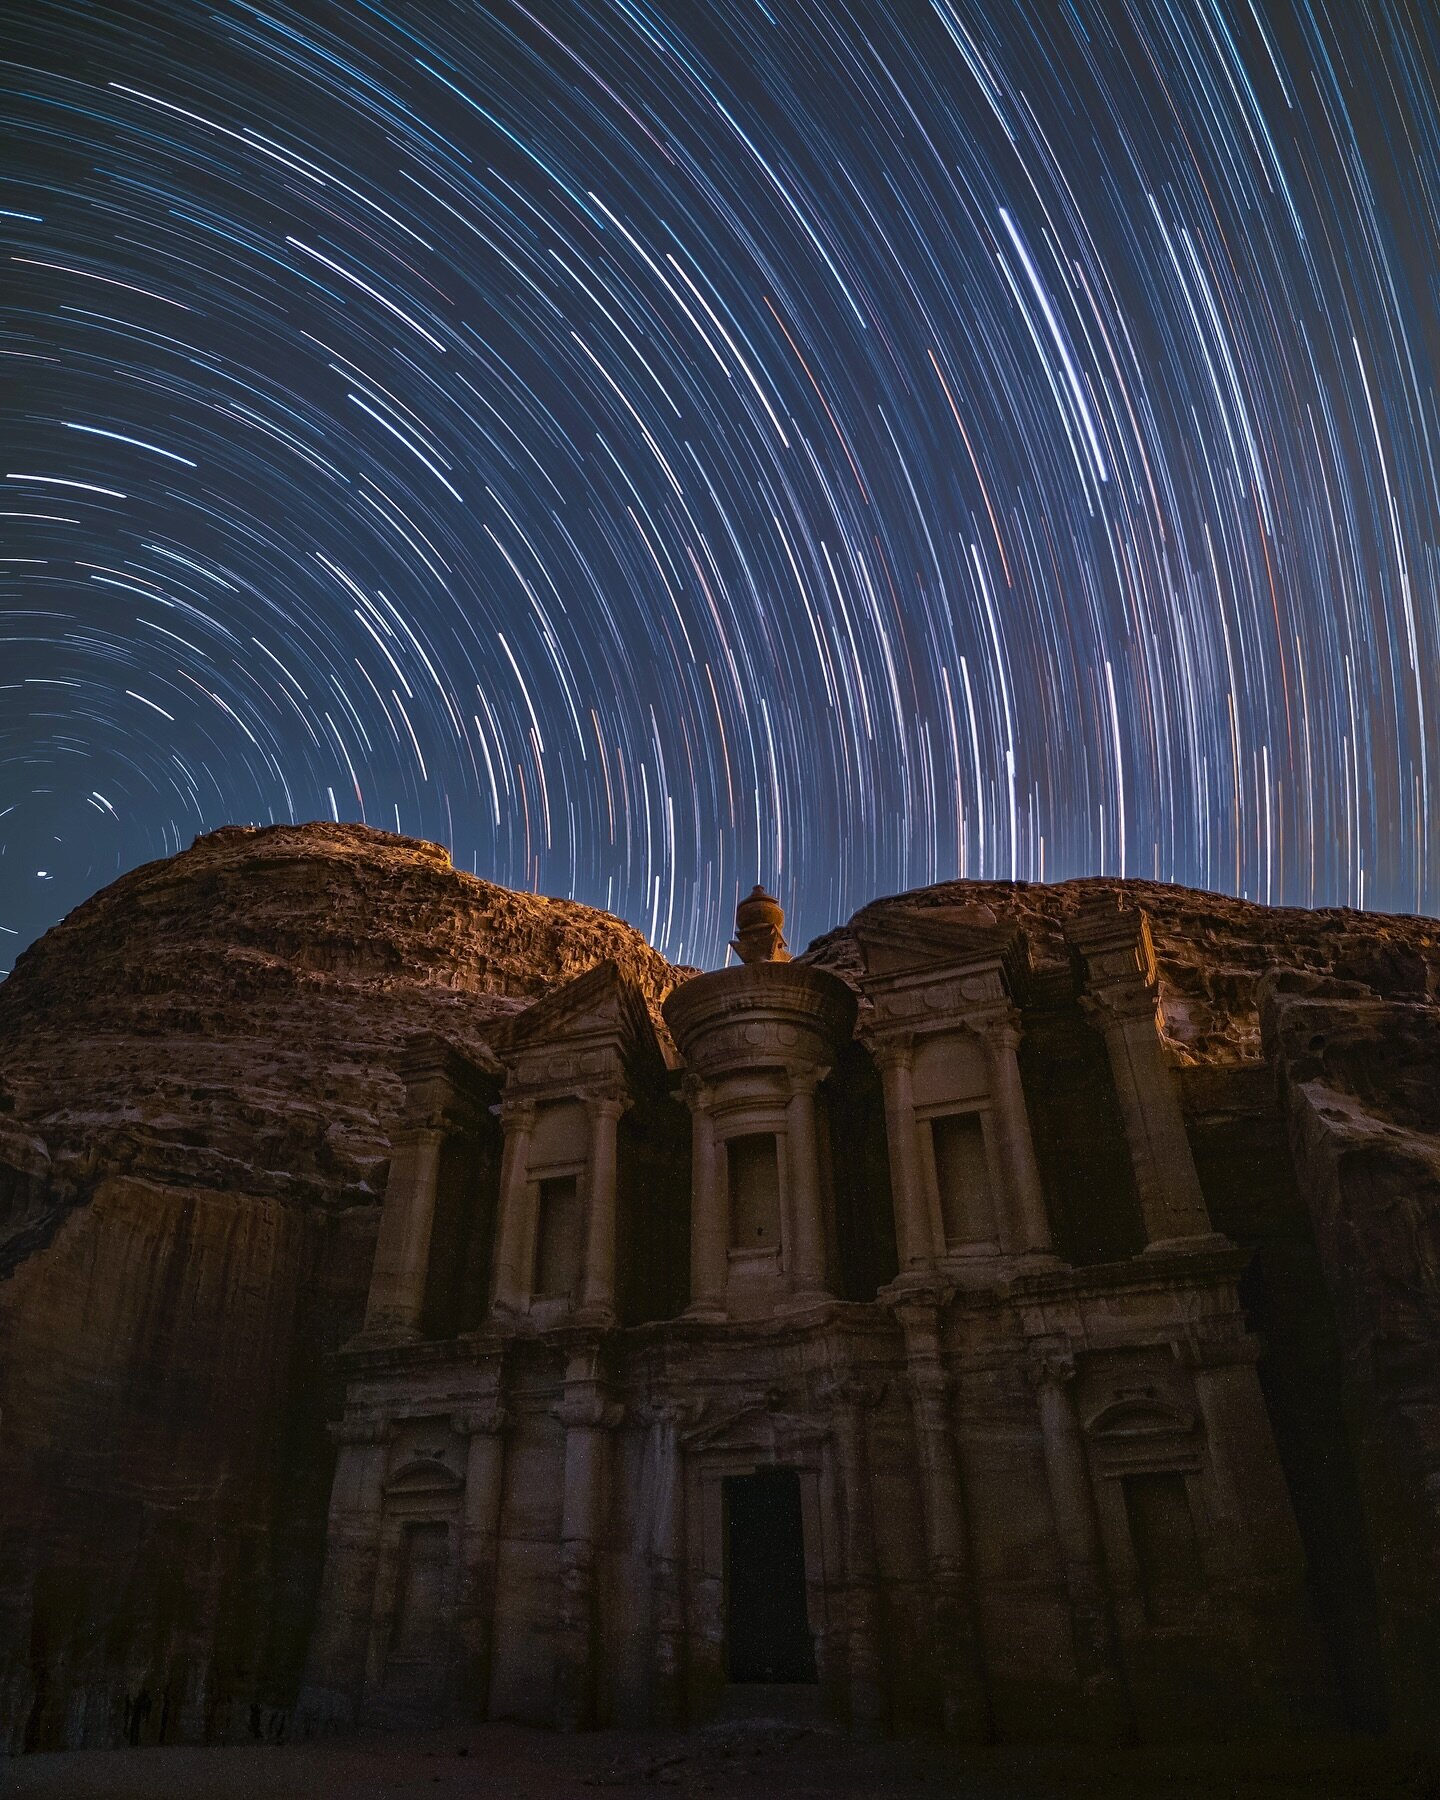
{"type": "Point", "coordinates": [766, 1355]}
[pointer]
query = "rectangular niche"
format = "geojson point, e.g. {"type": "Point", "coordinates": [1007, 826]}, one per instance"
{"type": "Point", "coordinates": [962, 1175]}
{"type": "Point", "coordinates": [419, 1630]}
{"type": "Point", "coordinates": [1167, 1557]}
{"type": "Point", "coordinates": [557, 1238]}
{"type": "Point", "coordinates": [754, 1166]}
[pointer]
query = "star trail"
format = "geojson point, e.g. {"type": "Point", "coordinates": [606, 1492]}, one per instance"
{"type": "Point", "coordinates": [649, 449]}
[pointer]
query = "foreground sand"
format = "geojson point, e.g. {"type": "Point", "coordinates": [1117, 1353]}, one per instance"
{"type": "Point", "coordinates": [510, 1762]}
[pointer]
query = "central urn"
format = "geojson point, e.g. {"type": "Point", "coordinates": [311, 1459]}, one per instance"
{"type": "Point", "coordinates": [757, 1041]}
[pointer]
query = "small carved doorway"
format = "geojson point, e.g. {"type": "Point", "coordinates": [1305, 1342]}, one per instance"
{"type": "Point", "coordinates": [767, 1635]}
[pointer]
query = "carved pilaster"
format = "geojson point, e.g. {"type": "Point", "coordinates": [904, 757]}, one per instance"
{"type": "Point", "coordinates": [954, 1603]}
{"type": "Point", "coordinates": [914, 1234]}
{"type": "Point", "coordinates": [1026, 1224]}
{"type": "Point", "coordinates": [335, 1667]}
{"type": "Point", "coordinates": [709, 1207]}
{"type": "Point", "coordinates": [484, 1426]}
{"type": "Point", "coordinates": [597, 1299]}
{"type": "Point", "coordinates": [1097, 1659]}
{"type": "Point", "coordinates": [516, 1227]}
{"type": "Point", "coordinates": [402, 1250]}
{"type": "Point", "coordinates": [668, 1419]}
{"type": "Point", "coordinates": [807, 1249]}
{"type": "Point", "coordinates": [1122, 1001]}
{"type": "Point", "coordinates": [850, 1399]}
{"type": "Point", "coordinates": [588, 1416]}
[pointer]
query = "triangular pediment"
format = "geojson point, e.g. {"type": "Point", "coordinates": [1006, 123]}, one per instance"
{"type": "Point", "coordinates": [602, 1004]}
{"type": "Point", "coordinates": [900, 940]}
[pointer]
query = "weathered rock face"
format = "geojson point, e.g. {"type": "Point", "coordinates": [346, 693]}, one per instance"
{"type": "Point", "coordinates": [197, 1088]}
{"type": "Point", "coordinates": [196, 1085]}
{"type": "Point", "coordinates": [1212, 951]}
{"type": "Point", "coordinates": [1361, 1084]}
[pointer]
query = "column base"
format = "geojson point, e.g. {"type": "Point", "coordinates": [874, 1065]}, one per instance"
{"type": "Point", "coordinates": [912, 1282]}
{"type": "Point", "coordinates": [804, 1302]}
{"type": "Point", "coordinates": [383, 1337]}
{"type": "Point", "coordinates": [1038, 1262]}
{"type": "Point", "coordinates": [600, 1317]}
{"type": "Point", "coordinates": [1199, 1243]}
{"type": "Point", "coordinates": [706, 1312]}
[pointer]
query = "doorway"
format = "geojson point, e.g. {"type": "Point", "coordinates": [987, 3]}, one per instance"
{"type": "Point", "coordinates": [767, 1628]}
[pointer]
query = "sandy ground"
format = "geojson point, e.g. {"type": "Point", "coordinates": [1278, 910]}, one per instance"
{"type": "Point", "coordinates": [509, 1762]}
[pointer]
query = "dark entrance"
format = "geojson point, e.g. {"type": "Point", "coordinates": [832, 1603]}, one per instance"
{"type": "Point", "coordinates": [767, 1634]}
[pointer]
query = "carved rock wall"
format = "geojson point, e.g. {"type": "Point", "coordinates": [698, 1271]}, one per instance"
{"type": "Point", "coordinates": [196, 1088]}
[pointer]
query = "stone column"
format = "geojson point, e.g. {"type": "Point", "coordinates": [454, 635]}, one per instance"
{"type": "Point", "coordinates": [954, 1607]}
{"type": "Point", "coordinates": [402, 1251]}
{"type": "Point", "coordinates": [1123, 1001]}
{"type": "Point", "coordinates": [850, 1400]}
{"type": "Point", "coordinates": [1097, 1659]}
{"type": "Point", "coordinates": [484, 1426]}
{"type": "Point", "coordinates": [806, 1254]}
{"type": "Point", "coordinates": [334, 1686]}
{"type": "Point", "coordinates": [709, 1210]}
{"type": "Point", "coordinates": [667, 1418]}
{"type": "Point", "coordinates": [914, 1235]}
{"type": "Point", "coordinates": [587, 1417]}
{"type": "Point", "coordinates": [1025, 1221]}
{"type": "Point", "coordinates": [516, 1228]}
{"type": "Point", "coordinates": [597, 1296]}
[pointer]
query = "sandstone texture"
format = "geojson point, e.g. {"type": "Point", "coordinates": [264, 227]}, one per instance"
{"type": "Point", "coordinates": [199, 1082]}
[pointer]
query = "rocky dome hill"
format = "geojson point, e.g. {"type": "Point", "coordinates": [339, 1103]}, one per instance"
{"type": "Point", "coordinates": [231, 1016]}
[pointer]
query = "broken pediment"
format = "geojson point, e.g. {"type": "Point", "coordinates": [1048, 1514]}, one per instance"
{"type": "Point", "coordinates": [602, 1005]}
{"type": "Point", "coordinates": [896, 941]}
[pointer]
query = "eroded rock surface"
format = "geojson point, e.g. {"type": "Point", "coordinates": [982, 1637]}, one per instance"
{"type": "Point", "coordinates": [196, 1086]}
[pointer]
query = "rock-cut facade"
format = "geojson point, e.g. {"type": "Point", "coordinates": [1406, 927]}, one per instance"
{"type": "Point", "coordinates": [762, 1353]}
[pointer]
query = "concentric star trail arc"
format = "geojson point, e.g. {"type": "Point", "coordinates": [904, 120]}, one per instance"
{"type": "Point", "coordinates": [651, 448]}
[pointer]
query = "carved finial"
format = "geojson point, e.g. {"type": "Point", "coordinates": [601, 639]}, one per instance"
{"type": "Point", "coordinates": [760, 929]}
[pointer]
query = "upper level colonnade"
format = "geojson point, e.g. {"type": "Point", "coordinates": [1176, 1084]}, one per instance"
{"type": "Point", "coordinates": [845, 1142]}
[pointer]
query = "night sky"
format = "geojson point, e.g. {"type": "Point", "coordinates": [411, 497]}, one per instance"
{"type": "Point", "coordinates": [652, 448]}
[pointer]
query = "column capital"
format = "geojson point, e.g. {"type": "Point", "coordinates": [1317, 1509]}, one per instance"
{"type": "Point", "coordinates": [607, 1103]}
{"type": "Point", "coordinates": [588, 1410]}
{"type": "Point", "coordinates": [1051, 1362]}
{"type": "Point", "coordinates": [996, 1028]}
{"type": "Point", "coordinates": [804, 1078]}
{"type": "Point", "coordinates": [697, 1093]}
{"type": "Point", "coordinates": [1121, 1003]}
{"type": "Point", "coordinates": [488, 1419]}
{"type": "Point", "coordinates": [517, 1113]}
{"type": "Point", "coordinates": [1114, 941]}
{"type": "Point", "coordinates": [670, 1410]}
{"type": "Point", "coordinates": [1218, 1343]}
{"type": "Point", "coordinates": [422, 1131]}
{"type": "Point", "coordinates": [894, 1051]}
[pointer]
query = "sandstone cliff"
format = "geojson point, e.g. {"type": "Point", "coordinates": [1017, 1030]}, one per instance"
{"type": "Point", "coordinates": [196, 1087]}
{"type": "Point", "coordinates": [196, 1091]}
